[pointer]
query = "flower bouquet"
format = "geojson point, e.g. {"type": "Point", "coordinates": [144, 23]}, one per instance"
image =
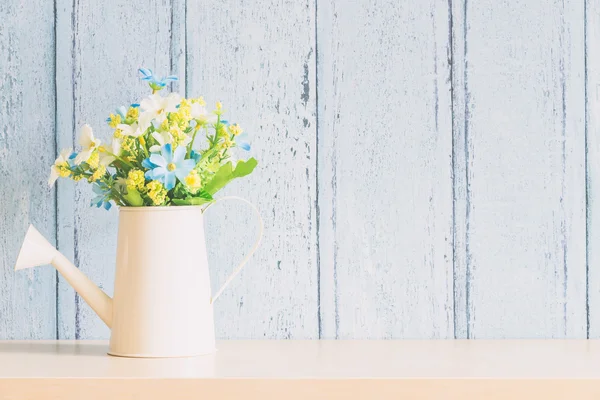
{"type": "Point", "coordinates": [164, 151]}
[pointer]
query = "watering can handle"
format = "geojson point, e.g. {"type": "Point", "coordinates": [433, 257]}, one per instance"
{"type": "Point", "coordinates": [245, 260]}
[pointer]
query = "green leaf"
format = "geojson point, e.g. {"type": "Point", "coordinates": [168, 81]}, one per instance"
{"type": "Point", "coordinates": [220, 179]}
{"type": "Point", "coordinates": [199, 199]}
{"type": "Point", "coordinates": [192, 201]}
{"type": "Point", "coordinates": [133, 198]}
{"type": "Point", "coordinates": [226, 174]}
{"type": "Point", "coordinates": [244, 168]}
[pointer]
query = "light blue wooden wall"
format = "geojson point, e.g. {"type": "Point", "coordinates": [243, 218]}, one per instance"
{"type": "Point", "coordinates": [428, 169]}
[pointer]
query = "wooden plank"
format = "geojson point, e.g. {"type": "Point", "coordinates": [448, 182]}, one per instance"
{"type": "Point", "coordinates": [258, 59]}
{"type": "Point", "coordinates": [385, 170]}
{"type": "Point", "coordinates": [459, 167]}
{"type": "Point", "coordinates": [178, 43]}
{"type": "Point", "coordinates": [311, 359]}
{"type": "Point", "coordinates": [290, 369]}
{"type": "Point", "coordinates": [110, 41]}
{"type": "Point", "coordinates": [300, 389]}
{"type": "Point", "coordinates": [525, 174]}
{"type": "Point", "coordinates": [65, 138]}
{"type": "Point", "coordinates": [592, 130]}
{"type": "Point", "coordinates": [27, 149]}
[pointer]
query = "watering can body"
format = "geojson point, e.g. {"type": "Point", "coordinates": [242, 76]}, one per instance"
{"type": "Point", "coordinates": [162, 298]}
{"type": "Point", "coordinates": [162, 304]}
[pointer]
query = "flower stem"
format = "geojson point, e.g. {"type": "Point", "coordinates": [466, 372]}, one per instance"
{"type": "Point", "coordinates": [191, 144]}
{"type": "Point", "coordinates": [120, 159]}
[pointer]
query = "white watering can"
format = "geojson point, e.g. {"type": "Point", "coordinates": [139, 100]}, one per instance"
{"type": "Point", "coordinates": [162, 304]}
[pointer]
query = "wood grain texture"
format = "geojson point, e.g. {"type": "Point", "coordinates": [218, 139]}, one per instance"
{"type": "Point", "coordinates": [27, 149]}
{"type": "Point", "coordinates": [65, 138]}
{"type": "Point", "coordinates": [385, 169]}
{"type": "Point", "coordinates": [178, 43]}
{"type": "Point", "coordinates": [459, 169]}
{"type": "Point", "coordinates": [109, 42]}
{"type": "Point", "coordinates": [525, 176]}
{"type": "Point", "coordinates": [308, 369]}
{"type": "Point", "coordinates": [301, 389]}
{"type": "Point", "coordinates": [592, 130]}
{"type": "Point", "coordinates": [422, 167]}
{"type": "Point", "coordinates": [258, 59]}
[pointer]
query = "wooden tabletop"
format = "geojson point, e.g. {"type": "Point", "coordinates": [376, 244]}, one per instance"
{"type": "Point", "coordinates": [525, 369]}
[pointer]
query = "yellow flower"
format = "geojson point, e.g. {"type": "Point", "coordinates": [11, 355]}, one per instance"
{"type": "Point", "coordinates": [128, 144]}
{"type": "Point", "coordinates": [142, 140]}
{"type": "Point", "coordinates": [135, 179]}
{"type": "Point", "coordinates": [185, 103]}
{"type": "Point", "coordinates": [235, 129]}
{"type": "Point", "coordinates": [118, 134]}
{"type": "Point", "coordinates": [181, 118]}
{"type": "Point", "coordinates": [133, 113]}
{"type": "Point", "coordinates": [227, 143]}
{"type": "Point", "coordinates": [193, 180]}
{"type": "Point", "coordinates": [114, 120]}
{"type": "Point", "coordinates": [219, 108]}
{"type": "Point", "coordinates": [179, 137]}
{"type": "Point", "coordinates": [199, 100]}
{"type": "Point", "coordinates": [99, 173]}
{"type": "Point", "coordinates": [156, 192]}
{"type": "Point", "coordinates": [164, 126]}
{"type": "Point", "coordinates": [63, 170]}
{"type": "Point", "coordinates": [77, 178]}
{"type": "Point", "coordinates": [94, 160]}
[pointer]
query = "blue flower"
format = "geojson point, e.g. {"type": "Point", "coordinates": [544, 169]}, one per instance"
{"type": "Point", "coordinates": [169, 165]}
{"type": "Point", "coordinates": [148, 164]}
{"type": "Point", "coordinates": [195, 156]}
{"type": "Point", "coordinates": [243, 141]}
{"type": "Point", "coordinates": [121, 111]}
{"type": "Point", "coordinates": [154, 82]}
{"type": "Point", "coordinates": [71, 159]}
{"type": "Point", "coordinates": [102, 198]}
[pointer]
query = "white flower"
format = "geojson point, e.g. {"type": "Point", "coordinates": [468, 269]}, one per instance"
{"type": "Point", "coordinates": [131, 130]}
{"type": "Point", "coordinates": [144, 120]}
{"type": "Point", "coordinates": [88, 144]}
{"type": "Point", "coordinates": [63, 160]}
{"type": "Point", "coordinates": [158, 107]}
{"type": "Point", "coordinates": [162, 138]}
{"type": "Point", "coordinates": [198, 112]}
{"type": "Point", "coordinates": [107, 158]}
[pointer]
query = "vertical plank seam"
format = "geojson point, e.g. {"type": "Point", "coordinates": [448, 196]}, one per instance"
{"type": "Point", "coordinates": [585, 134]}
{"type": "Point", "coordinates": [563, 228]}
{"type": "Point", "coordinates": [185, 47]}
{"type": "Point", "coordinates": [171, 47]}
{"type": "Point", "coordinates": [56, 305]}
{"type": "Point", "coordinates": [467, 180]}
{"type": "Point", "coordinates": [335, 289]}
{"type": "Point", "coordinates": [453, 161]}
{"type": "Point", "coordinates": [336, 307]}
{"type": "Point", "coordinates": [74, 99]}
{"type": "Point", "coordinates": [317, 180]}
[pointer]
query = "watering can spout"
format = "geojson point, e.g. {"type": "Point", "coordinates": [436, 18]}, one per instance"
{"type": "Point", "coordinates": [36, 250]}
